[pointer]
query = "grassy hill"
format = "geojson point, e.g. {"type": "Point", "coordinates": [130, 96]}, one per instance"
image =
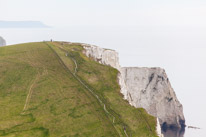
{"type": "Point", "coordinates": [53, 89]}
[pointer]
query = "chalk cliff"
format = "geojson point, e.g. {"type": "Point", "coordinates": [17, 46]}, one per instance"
{"type": "Point", "coordinates": [2, 42]}
{"type": "Point", "coordinates": [103, 56]}
{"type": "Point", "coordinates": [148, 88]}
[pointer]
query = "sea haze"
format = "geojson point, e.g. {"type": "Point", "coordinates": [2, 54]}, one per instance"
{"type": "Point", "coordinates": [22, 24]}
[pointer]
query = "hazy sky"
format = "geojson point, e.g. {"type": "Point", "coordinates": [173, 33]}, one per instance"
{"type": "Point", "coordinates": [165, 33]}
{"type": "Point", "coordinates": [107, 12]}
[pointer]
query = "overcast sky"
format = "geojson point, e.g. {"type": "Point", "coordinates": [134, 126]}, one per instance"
{"type": "Point", "coordinates": [107, 12]}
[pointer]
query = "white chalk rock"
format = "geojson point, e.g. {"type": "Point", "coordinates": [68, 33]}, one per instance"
{"type": "Point", "coordinates": [158, 129]}
{"type": "Point", "coordinates": [2, 42]}
{"type": "Point", "coordinates": [147, 88]}
{"type": "Point", "coordinates": [103, 56]}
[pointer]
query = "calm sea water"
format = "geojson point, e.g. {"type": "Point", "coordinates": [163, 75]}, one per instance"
{"type": "Point", "coordinates": [181, 51]}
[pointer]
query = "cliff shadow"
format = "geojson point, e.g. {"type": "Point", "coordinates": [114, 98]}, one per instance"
{"type": "Point", "coordinates": [173, 132]}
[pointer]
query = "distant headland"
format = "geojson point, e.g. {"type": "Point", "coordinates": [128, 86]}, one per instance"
{"type": "Point", "coordinates": [23, 24]}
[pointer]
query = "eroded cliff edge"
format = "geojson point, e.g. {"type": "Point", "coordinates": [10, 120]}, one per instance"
{"type": "Point", "coordinates": [148, 88]}
{"type": "Point", "coordinates": [2, 42]}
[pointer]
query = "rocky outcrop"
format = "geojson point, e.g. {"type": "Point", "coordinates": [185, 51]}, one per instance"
{"type": "Point", "coordinates": [103, 56]}
{"type": "Point", "coordinates": [148, 88]}
{"type": "Point", "coordinates": [2, 42]}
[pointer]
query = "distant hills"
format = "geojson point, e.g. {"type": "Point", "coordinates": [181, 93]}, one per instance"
{"type": "Point", "coordinates": [22, 24]}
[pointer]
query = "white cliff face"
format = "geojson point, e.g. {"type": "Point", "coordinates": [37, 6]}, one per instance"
{"type": "Point", "coordinates": [2, 42]}
{"type": "Point", "coordinates": [148, 88]}
{"type": "Point", "coordinates": [103, 56]}
{"type": "Point", "coordinates": [158, 129]}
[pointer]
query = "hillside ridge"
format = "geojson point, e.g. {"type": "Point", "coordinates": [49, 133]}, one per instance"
{"type": "Point", "coordinates": [40, 97]}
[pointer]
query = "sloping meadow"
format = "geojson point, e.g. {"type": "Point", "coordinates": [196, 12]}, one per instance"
{"type": "Point", "coordinates": [53, 89]}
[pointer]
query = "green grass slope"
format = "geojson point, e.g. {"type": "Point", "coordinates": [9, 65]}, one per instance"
{"type": "Point", "coordinates": [53, 89]}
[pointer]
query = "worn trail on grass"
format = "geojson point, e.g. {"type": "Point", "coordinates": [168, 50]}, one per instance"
{"type": "Point", "coordinates": [90, 90]}
{"type": "Point", "coordinates": [30, 93]}
{"type": "Point", "coordinates": [101, 102]}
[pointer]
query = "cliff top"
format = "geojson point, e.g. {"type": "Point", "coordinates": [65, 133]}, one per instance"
{"type": "Point", "coordinates": [48, 86]}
